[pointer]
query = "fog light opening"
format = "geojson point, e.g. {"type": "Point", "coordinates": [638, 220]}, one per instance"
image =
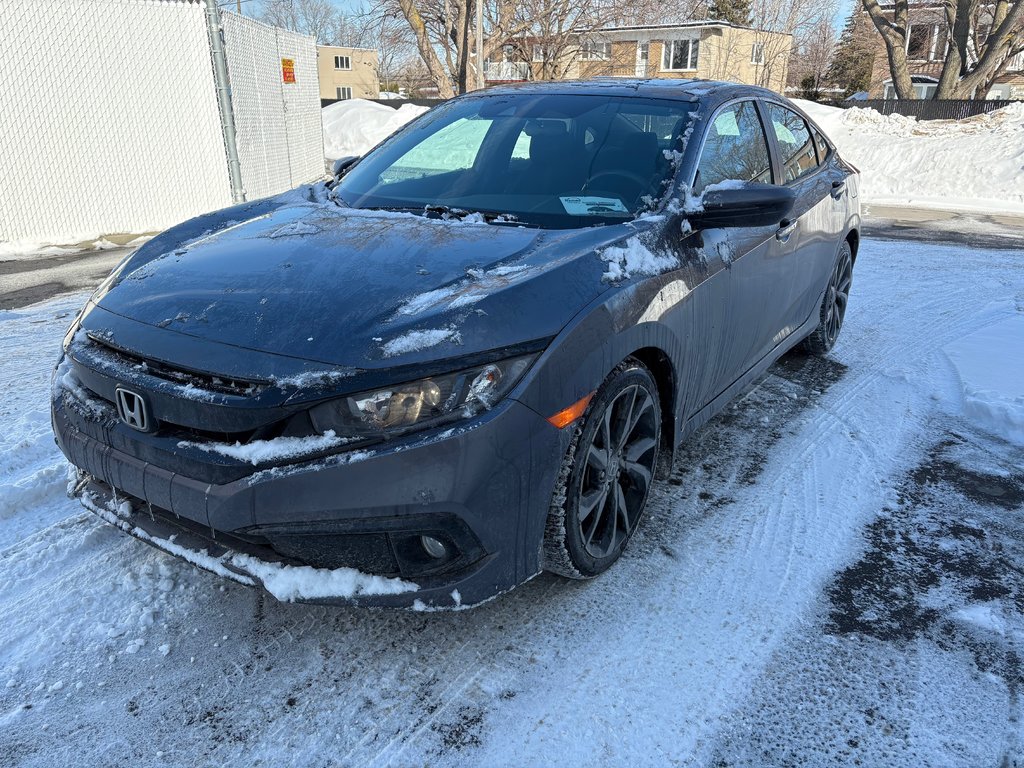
{"type": "Point", "coordinates": [433, 547]}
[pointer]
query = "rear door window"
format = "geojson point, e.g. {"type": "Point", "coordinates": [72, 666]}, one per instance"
{"type": "Point", "coordinates": [795, 144]}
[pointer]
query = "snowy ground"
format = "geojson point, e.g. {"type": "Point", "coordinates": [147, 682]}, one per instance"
{"type": "Point", "coordinates": [832, 574]}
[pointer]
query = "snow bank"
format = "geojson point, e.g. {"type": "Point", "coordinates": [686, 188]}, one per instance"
{"type": "Point", "coordinates": [354, 126]}
{"type": "Point", "coordinates": [990, 364]}
{"type": "Point", "coordinates": [972, 164]}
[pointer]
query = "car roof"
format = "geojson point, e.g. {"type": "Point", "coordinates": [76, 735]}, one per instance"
{"type": "Point", "coordinates": [662, 88]}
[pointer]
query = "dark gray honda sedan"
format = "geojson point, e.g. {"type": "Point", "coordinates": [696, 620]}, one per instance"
{"type": "Point", "coordinates": [467, 357]}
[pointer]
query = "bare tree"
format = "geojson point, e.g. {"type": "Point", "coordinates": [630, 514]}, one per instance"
{"type": "Point", "coordinates": [811, 60]}
{"type": "Point", "coordinates": [983, 37]}
{"type": "Point", "coordinates": [644, 12]}
{"type": "Point", "coordinates": [318, 18]}
{"type": "Point", "coordinates": [443, 30]}
{"type": "Point", "coordinates": [385, 31]}
{"type": "Point", "coordinates": [793, 17]}
{"type": "Point", "coordinates": [557, 30]}
{"type": "Point", "coordinates": [444, 34]}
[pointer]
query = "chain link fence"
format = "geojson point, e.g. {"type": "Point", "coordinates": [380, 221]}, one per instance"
{"type": "Point", "coordinates": [110, 123]}
{"type": "Point", "coordinates": [277, 123]}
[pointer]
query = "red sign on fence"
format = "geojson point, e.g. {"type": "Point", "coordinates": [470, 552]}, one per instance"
{"type": "Point", "coordinates": [288, 70]}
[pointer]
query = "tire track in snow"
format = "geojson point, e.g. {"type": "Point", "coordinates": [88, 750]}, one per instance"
{"type": "Point", "coordinates": [781, 521]}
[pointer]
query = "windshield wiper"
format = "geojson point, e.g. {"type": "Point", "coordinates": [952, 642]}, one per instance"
{"type": "Point", "coordinates": [448, 213]}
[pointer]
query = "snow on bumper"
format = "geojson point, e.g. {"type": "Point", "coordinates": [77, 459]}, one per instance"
{"type": "Point", "coordinates": [288, 583]}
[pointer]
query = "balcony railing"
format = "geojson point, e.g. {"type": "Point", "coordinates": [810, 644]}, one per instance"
{"type": "Point", "coordinates": [505, 71]}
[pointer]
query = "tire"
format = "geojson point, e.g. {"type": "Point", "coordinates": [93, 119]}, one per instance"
{"type": "Point", "coordinates": [599, 499]}
{"type": "Point", "coordinates": [833, 306]}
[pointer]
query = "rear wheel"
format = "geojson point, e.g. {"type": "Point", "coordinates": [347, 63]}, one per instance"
{"type": "Point", "coordinates": [606, 475]}
{"type": "Point", "coordinates": [833, 306]}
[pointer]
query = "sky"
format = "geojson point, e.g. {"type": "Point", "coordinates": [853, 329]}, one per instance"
{"type": "Point", "coordinates": [845, 6]}
{"type": "Point", "coordinates": [348, 6]}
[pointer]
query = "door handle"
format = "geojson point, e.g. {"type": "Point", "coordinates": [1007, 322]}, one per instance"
{"type": "Point", "coordinates": [838, 187]}
{"type": "Point", "coordinates": [786, 228]}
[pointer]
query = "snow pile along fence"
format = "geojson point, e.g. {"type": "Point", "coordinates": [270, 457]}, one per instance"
{"type": "Point", "coordinates": [110, 121]}
{"type": "Point", "coordinates": [968, 165]}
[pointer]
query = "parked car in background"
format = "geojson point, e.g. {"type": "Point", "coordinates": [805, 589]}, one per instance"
{"type": "Point", "coordinates": [467, 357]}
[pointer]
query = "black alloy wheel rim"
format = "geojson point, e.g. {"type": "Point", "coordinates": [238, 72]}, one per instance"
{"type": "Point", "coordinates": [837, 298]}
{"type": "Point", "coordinates": [618, 471]}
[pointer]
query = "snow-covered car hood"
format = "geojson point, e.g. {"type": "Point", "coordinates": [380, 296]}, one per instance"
{"type": "Point", "coordinates": [308, 279]}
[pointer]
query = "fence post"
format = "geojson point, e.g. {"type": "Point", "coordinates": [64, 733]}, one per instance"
{"type": "Point", "coordinates": [223, 84]}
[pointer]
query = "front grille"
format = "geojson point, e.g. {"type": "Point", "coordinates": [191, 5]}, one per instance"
{"type": "Point", "coordinates": [203, 381]}
{"type": "Point", "coordinates": [208, 428]}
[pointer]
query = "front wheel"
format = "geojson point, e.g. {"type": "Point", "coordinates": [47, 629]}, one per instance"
{"type": "Point", "coordinates": [606, 475]}
{"type": "Point", "coordinates": [833, 306]}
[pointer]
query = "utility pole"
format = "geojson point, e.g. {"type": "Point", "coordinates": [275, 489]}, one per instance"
{"type": "Point", "coordinates": [480, 44]}
{"type": "Point", "coordinates": [223, 85]}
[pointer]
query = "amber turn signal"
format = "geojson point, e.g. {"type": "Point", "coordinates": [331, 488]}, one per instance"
{"type": "Point", "coordinates": [568, 415]}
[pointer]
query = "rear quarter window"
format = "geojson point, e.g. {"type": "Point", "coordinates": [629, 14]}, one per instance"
{"type": "Point", "coordinates": [822, 144]}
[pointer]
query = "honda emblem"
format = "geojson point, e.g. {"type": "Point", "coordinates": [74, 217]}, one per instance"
{"type": "Point", "coordinates": [131, 407]}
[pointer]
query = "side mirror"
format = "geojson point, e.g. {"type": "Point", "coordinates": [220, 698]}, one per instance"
{"type": "Point", "coordinates": [341, 165]}
{"type": "Point", "coordinates": [740, 204]}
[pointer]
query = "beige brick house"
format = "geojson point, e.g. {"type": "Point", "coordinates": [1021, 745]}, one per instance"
{"type": "Point", "coordinates": [347, 73]}
{"type": "Point", "coordinates": [712, 50]}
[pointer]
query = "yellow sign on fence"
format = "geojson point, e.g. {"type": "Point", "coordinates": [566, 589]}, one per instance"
{"type": "Point", "coordinates": [288, 70]}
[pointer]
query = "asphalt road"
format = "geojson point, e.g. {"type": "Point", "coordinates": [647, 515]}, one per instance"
{"type": "Point", "coordinates": [27, 280]}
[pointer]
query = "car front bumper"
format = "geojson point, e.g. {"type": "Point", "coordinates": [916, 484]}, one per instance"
{"type": "Point", "coordinates": [345, 528]}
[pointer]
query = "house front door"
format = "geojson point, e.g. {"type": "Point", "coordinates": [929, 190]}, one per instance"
{"type": "Point", "coordinates": [643, 53]}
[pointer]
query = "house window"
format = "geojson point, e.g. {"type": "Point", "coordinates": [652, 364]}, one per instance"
{"type": "Point", "coordinates": [924, 88]}
{"type": "Point", "coordinates": [757, 53]}
{"type": "Point", "coordinates": [344, 92]}
{"type": "Point", "coordinates": [343, 62]}
{"type": "Point", "coordinates": [538, 53]}
{"type": "Point", "coordinates": [593, 51]}
{"type": "Point", "coordinates": [926, 42]}
{"type": "Point", "coordinates": [679, 55]}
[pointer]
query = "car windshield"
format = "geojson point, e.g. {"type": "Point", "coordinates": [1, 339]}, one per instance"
{"type": "Point", "coordinates": [547, 160]}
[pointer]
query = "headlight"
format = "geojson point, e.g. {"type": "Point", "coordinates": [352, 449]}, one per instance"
{"type": "Point", "coordinates": [420, 404]}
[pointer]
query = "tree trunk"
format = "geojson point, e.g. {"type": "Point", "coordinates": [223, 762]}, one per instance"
{"type": "Point", "coordinates": [426, 49]}
{"type": "Point", "coordinates": [993, 60]}
{"type": "Point", "coordinates": [958, 21]}
{"type": "Point", "coordinates": [894, 35]}
{"type": "Point", "coordinates": [462, 46]}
